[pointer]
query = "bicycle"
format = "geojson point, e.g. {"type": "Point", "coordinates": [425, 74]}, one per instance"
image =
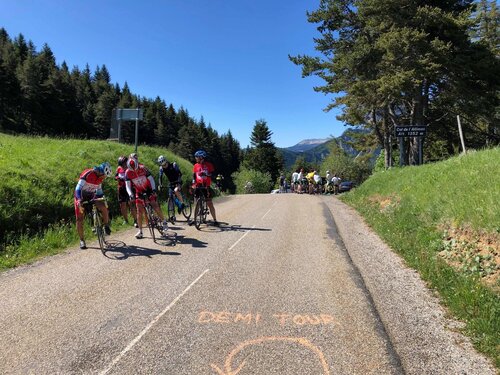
{"type": "Point", "coordinates": [154, 222]}
{"type": "Point", "coordinates": [95, 218]}
{"type": "Point", "coordinates": [200, 207]}
{"type": "Point", "coordinates": [173, 201]}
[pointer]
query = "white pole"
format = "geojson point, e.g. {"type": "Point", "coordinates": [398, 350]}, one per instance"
{"type": "Point", "coordinates": [461, 135]}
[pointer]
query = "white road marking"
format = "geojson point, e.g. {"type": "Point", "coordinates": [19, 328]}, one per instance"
{"type": "Point", "coordinates": [148, 327]}
{"type": "Point", "coordinates": [234, 244]}
{"type": "Point", "coordinates": [266, 214]}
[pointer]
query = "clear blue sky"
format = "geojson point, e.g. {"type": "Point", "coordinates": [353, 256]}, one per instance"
{"type": "Point", "coordinates": [225, 60]}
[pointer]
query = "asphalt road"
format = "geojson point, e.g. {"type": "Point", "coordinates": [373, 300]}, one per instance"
{"type": "Point", "coordinates": [289, 284]}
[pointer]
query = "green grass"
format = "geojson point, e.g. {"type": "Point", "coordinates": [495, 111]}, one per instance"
{"type": "Point", "coordinates": [408, 208]}
{"type": "Point", "coordinates": [38, 176]}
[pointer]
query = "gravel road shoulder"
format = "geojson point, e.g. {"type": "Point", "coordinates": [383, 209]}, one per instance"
{"type": "Point", "coordinates": [427, 341]}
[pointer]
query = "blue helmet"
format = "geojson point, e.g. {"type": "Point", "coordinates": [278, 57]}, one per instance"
{"type": "Point", "coordinates": [104, 168]}
{"type": "Point", "coordinates": [200, 154]}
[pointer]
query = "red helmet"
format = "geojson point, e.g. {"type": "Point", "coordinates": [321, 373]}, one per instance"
{"type": "Point", "coordinates": [132, 164]}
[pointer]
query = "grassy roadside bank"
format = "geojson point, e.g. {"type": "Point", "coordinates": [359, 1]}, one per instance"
{"type": "Point", "coordinates": [444, 220]}
{"type": "Point", "coordinates": [37, 178]}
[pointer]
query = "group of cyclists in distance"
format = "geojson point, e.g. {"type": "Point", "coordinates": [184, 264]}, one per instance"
{"type": "Point", "coordinates": [135, 183]}
{"type": "Point", "coordinates": [311, 183]}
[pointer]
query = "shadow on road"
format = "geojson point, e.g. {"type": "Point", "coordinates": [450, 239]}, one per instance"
{"type": "Point", "coordinates": [118, 250]}
{"type": "Point", "coordinates": [239, 228]}
{"type": "Point", "coordinates": [210, 227]}
{"type": "Point", "coordinates": [191, 241]}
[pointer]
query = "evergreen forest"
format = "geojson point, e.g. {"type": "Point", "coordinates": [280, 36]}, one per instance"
{"type": "Point", "coordinates": [384, 62]}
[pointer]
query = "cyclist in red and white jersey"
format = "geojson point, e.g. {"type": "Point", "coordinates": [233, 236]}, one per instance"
{"type": "Point", "coordinates": [90, 187]}
{"type": "Point", "coordinates": [202, 172]}
{"type": "Point", "coordinates": [123, 197]}
{"type": "Point", "coordinates": [139, 178]}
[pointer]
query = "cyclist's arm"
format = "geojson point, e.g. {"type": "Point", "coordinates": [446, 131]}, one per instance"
{"type": "Point", "coordinates": [160, 176]}
{"type": "Point", "coordinates": [152, 182]}
{"type": "Point", "coordinates": [128, 185]}
{"type": "Point", "coordinates": [78, 189]}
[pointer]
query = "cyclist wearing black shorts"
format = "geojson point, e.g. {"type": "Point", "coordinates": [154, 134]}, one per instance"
{"type": "Point", "coordinates": [202, 172]}
{"type": "Point", "coordinates": [123, 197]}
{"type": "Point", "coordinates": [174, 177]}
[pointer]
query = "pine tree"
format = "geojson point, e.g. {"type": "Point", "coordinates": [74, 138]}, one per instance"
{"type": "Point", "coordinates": [263, 156]}
{"type": "Point", "coordinates": [400, 62]}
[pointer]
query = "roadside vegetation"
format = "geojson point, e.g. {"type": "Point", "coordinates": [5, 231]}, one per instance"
{"type": "Point", "coordinates": [38, 176]}
{"type": "Point", "coordinates": [444, 220]}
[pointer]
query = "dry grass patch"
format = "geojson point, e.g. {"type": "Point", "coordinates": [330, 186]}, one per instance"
{"type": "Point", "coordinates": [473, 252]}
{"type": "Point", "coordinates": [385, 204]}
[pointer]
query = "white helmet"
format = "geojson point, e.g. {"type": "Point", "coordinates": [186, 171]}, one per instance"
{"type": "Point", "coordinates": [162, 160]}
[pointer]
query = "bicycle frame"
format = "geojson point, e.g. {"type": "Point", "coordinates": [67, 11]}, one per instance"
{"type": "Point", "coordinates": [154, 221]}
{"type": "Point", "coordinates": [98, 226]}
{"type": "Point", "coordinates": [200, 208]}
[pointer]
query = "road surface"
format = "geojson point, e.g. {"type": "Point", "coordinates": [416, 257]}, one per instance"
{"type": "Point", "coordinates": [289, 284]}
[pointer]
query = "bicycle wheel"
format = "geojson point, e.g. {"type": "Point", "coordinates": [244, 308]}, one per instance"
{"type": "Point", "coordinates": [99, 230]}
{"type": "Point", "coordinates": [171, 209]}
{"type": "Point", "coordinates": [186, 211]}
{"type": "Point", "coordinates": [198, 212]}
{"type": "Point", "coordinates": [205, 211]}
{"type": "Point", "coordinates": [151, 221]}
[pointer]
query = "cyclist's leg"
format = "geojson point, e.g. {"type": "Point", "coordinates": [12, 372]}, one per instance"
{"type": "Point", "coordinates": [177, 191]}
{"type": "Point", "coordinates": [140, 213]}
{"type": "Point", "coordinates": [80, 215]}
{"type": "Point", "coordinates": [210, 204]}
{"type": "Point", "coordinates": [101, 206]}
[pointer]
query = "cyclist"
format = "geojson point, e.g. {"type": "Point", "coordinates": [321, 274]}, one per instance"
{"type": "Point", "coordinates": [336, 183]}
{"type": "Point", "coordinates": [89, 186]}
{"type": "Point", "coordinates": [302, 181]}
{"type": "Point", "coordinates": [174, 177]}
{"type": "Point", "coordinates": [310, 181]}
{"type": "Point", "coordinates": [218, 181]}
{"type": "Point", "coordinates": [295, 181]}
{"type": "Point", "coordinates": [318, 183]}
{"type": "Point", "coordinates": [123, 198]}
{"type": "Point", "coordinates": [328, 185]}
{"type": "Point", "coordinates": [202, 172]}
{"type": "Point", "coordinates": [139, 178]}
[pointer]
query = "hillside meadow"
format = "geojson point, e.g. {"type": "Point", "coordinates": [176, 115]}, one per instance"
{"type": "Point", "coordinates": [444, 220]}
{"type": "Point", "coordinates": [38, 176]}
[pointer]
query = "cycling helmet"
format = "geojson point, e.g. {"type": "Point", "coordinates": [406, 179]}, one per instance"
{"type": "Point", "coordinates": [122, 160]}
{"type": "Point", "coordinates": [132, 164]}
{"type": "Point", "coordinates": [133, 155]}
{"type": "Point", "coordinates": [104, 168]}
{"type": "Point", "coordinates": [200, 154]}
{"type": "Point", "coordinates": [162, 160]}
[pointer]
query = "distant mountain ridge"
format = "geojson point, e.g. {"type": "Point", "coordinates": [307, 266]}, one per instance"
{"type": "Point", "coordinates": [316, 150]}
{"type": "Point", "coordinates": [307, 144]}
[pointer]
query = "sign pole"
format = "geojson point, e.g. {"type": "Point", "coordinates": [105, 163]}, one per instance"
{"type": "Point", "coordinates": [120, 125]}
{"type": "Point", "coordinates": [136, 129]}
{"type": "Point", "coordinates": [461, 134]}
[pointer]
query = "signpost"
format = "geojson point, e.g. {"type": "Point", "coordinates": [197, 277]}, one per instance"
{"type": "Point", "coordinates": [126, 114]}
{"type": "Point", "coordinates": [410, 131]}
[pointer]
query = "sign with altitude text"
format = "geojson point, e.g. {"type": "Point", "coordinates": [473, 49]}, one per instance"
{"type": "Point", "coordinates": [410, 131]}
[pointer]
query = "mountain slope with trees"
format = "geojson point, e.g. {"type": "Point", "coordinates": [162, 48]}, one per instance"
{"type": "Point", "coordinates": [38, 97]}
